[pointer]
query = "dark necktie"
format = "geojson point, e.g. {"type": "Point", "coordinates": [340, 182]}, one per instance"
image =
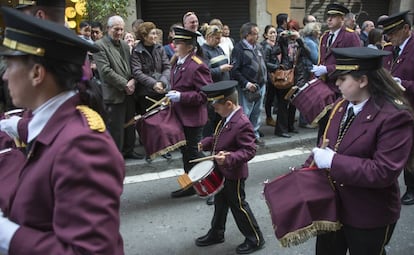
{"type": "Point", "coordinates": [330, 40]}
{"type": "Point", "coordinates": [349, 118]}
{"type": "Point", "coordinates": [177, 67]}
{"type": "Point", "coordinates": [396, 52]}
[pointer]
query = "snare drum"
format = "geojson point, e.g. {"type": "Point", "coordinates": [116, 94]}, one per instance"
{"type": "Point", "coordinates": [313, 100]}
{"type": "Point", "coordinates": [206, 181]}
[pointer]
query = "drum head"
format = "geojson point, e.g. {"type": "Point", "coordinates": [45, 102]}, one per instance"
{"type": "Point", "coordinates": [201, 170]}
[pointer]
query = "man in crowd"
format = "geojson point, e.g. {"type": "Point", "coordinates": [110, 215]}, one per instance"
{"type": "Point", "coordinates": [96, 30]}
{"type": "Point", "coordinates": [249, 69]}
{"type": "Point", "coordinates": [190, 22]}
{"type": "Point", "coordinates": [367, 26]}
{"type": "Point", "coordinates": [398, 30]}
{"type": "Point", "coordinates": [117, 86]}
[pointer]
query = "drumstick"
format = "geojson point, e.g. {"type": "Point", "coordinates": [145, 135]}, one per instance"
{"type": "Point", "coordinates": [156, 104]}
{"type": "Point", "coordinates": [325, 143]}
{"type": "Point", "coordinates": [151, 99]}
{"type": "Point", "coordinates": [132, 121]}
{"type": "Point", "coordinates": [207, 158]}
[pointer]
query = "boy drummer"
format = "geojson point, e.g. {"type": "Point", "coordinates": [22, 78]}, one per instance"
{"type": "Point", "coordinates": [234, 145]}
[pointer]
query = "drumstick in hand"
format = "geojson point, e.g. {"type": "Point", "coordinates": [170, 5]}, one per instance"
{"type": "Point", "coordinates": [323, 146]}
{"type": "Point", "coordinates": [207, 158]}
{"type": "Point", "coordinates": [162, 100]}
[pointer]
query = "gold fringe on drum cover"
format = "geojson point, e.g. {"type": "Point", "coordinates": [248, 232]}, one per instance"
{"type": "Point", "coordinates": [302, 235]}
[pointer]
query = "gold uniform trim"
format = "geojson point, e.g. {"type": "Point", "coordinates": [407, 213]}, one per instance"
{"type": "Point", "coordinates": [15, 45]}
{"type": "Point", "coordinates": [215, 98]}
{"type": "Point", "coordinates": [347, 67]}
{"type": "Point", "coordinates": [94, 120]}
{"type": "Point", "coordinates": [183, 37]}
{"type": "Point", "coordinates": [393, 25]}
{"type": "Point", "coordinates": [197, 60]}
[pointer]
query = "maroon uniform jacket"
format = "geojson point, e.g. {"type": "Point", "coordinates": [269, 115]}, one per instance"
{"type": "Point", "coordinates": [403, 67]}
{"type": "Point", "coordinates": [67, 197]}
{"type": "Point", "coordinates": [238, 138]}
{"type": "Point", "coordinates": [346, 38]}
{"type": "Point", "coordinates": [368, 161]}
{"type": "Point", "coordinates": [188, 79]}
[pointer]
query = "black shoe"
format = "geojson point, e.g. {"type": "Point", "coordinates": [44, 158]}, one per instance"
{"type": "Point", "coordinates": [293, 131]}
{"type": "Point", "coordinates": [209, 239]}
{"type": "Point", "coordinates": [167, 156]}
{"type": "Point", "coordinates": [247, 247]}
{"type": "Point", "coordinates": [133, 155]}
{"type": "Point", "coordinates": [210, 200]}
{"type": "Point", "coordinates": [183, 193]}
{"type": "Point", "coordinates": [408, 198]}
{"type": "Point", "coordinates": [261, 133]}
{"type": "Point", "coordinates": [260, 141]}
{"type": "Point", "coordinates": [148, 159]}
{"type": "Point", "coordinates": [285, 135]}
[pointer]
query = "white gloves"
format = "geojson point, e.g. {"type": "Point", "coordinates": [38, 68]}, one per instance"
{"type": "Point", "coordinates": [319, 70]}
{"type": "Point", "coordinates": [323, 157]}
{"type": "Point", "coordinates": [9, 126]}
{"type": "Point", "coordinates": [174, 95]}
{"type": "Point", "coordinates": [7, 230]}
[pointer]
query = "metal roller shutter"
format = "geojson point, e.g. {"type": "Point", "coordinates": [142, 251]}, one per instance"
{"type": "Point", "coordinates": [164, 13]}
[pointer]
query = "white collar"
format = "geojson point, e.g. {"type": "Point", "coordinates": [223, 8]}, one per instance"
{"type": "Point", "coordinates": [181, 61]}
{"type": "Point", "coordinates": [44, 112]}
{"type": "Point", "coordinates": [356, 107]}
{"type": "Point", "coordinates": [228, 118]}
{"type": "Point", "coordinates": [402, 46]}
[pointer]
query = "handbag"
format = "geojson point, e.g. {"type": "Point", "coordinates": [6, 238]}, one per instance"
{"type": "Point", "coordinates": [283, 78]}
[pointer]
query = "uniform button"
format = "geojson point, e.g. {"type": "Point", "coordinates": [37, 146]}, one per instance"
{"type": "Point", "coordinates": [334, 182]}
{"type": "Point", "coordinates": [341, 184]}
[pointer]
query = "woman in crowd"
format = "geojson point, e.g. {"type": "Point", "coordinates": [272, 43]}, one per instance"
{"type": "Point", "coordinates": [150, 68]}
{"type": "Point", "coordinates": [294, 55]}
{"type": "Point", "coordinates": [370, 138]}
{"type": "Point", "coordinates": [271, 52]}
{"type": "Point", "coordinates": [375, 39]}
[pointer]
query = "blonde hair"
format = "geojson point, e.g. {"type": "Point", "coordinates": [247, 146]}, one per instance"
{"type": "Point", "coordinates": [311, 28]}
{"type": "Point", "coordinates": [213, 30]}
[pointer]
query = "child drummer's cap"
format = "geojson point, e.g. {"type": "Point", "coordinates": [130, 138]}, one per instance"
{"type": "Point", "coordinates": [219, 90]}
{"type": "Point", "coordinates": [357, 59]}
{"type": "Point", "coordinates": [28, 35]}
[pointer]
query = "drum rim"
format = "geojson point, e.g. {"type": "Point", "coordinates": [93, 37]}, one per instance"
{"type": "Point", "coordinates": [206, 174]}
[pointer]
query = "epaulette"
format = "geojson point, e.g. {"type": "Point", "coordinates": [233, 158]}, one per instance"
{"type": "Point", "coordinates": [197, 60]}
{"type": "Point", "coordinates": [349, 30]}
{"type": "Point", "coordinates": [94, 120]}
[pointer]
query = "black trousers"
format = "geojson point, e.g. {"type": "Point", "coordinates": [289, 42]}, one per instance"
{"type": "Point", "coordinates": [285, 113]}
{"type": "Point", "coordinates": [233, 196]}
{"type": "Point", "coordinates": [190, 151]}
{"type": "Point", "coordinates": [269, 99]}
{"type": "Point", "coordinates": [409, 179]}
{"type": "Point", "coordinates": [357, 241]}
{"type": "Point", "coordinates": [116, 116]}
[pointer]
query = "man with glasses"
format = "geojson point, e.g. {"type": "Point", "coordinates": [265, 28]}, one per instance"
{"type": "Point", "coordinates": [96, 30]}
{"type": "Point", "coordinates": [400, 63]}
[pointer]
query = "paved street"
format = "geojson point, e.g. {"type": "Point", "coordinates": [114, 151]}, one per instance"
{"type": "Point", "coordinates": [153, 223]}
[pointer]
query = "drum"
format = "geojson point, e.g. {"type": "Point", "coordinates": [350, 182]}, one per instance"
{"type": "Point", "coordinates": [313, 100]}
{"type": "Point", "coordinates": [160, 131]}
{"type": "Point", "coordinates": [206, 181]}
{"type": "Point", "coordinates": [302, 204]}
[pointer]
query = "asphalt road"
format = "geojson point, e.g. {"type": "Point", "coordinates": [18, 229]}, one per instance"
{"type": "Point", "coordinates": [153, 223]}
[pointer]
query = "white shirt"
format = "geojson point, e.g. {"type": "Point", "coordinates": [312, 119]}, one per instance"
{"type": "Point", "coordinates": [44, 112]}
{"type": "Point", "coordinates": [228, 118]}
{"type": "Point", "coordinates": [402, 46]}
{"type": "Point", "coordinates": [335, 35]}
{"type": "Point", "coordinates": [357, 108]}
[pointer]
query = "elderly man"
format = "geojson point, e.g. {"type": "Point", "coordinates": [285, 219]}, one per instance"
{"type": "Point", "coordinates": [190, 22]}
{"type": "Point", "coordinates": [249, 69]}
{"type": "Point", "coordinates": [367, 26]}
{"type": "Point", "coordinates": [117, 85]}
{"type": "Point", "coordinates": [398, 30]}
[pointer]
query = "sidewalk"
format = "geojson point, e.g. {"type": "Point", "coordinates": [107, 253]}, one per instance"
{"type": "Point", "coordinates": [305, 138]}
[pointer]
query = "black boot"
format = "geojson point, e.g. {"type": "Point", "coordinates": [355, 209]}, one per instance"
{"type": "Point", "coordinates": [212, 237]}
{"type": "Point", "coordinates": [183, 193]}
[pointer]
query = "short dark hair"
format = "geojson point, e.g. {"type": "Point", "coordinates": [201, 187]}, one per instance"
{"type": "Point", "coordinates": [281, 18]}
{"type": "Point", "coordinates": [97, 24]}
{"type": "Point", "coordinates": [246, 29]}
{"type": "Point", "coordinates": [83, 24]}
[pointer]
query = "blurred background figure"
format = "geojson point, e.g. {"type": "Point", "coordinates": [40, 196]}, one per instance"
{"type": "Point", "coordinates": [272, 57]}
{"type": "Point", "coordinates": [96, 30]}
{"type": "Point", "coordinates": [367, 26]}
{"type": "Point", "coordinates": [170, 47]}
{"type": "Point", "coordinates": [376, 39]}
{"type": "Point", "coordinates": [85, 31]}
{"type": "Point", "coordinates": [129, 38]}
